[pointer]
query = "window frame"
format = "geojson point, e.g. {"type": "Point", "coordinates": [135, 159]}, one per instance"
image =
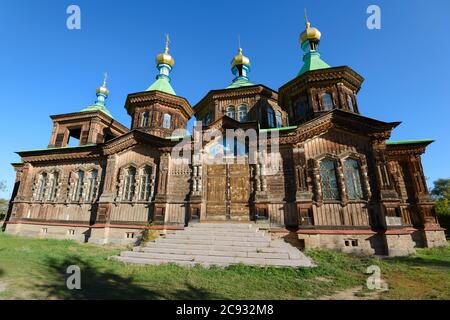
{"type": "Point", "coordinates": [42, 186]}
{"type": "Point", "coordinates": [301, 109]}
{"type": "Point", "coordinates": [167, 121]}
{"type": "Point", "coordinates": [329, 177]}
{"type": "Point", "coordinates": [54, 181]}
{"type": "Point", "coordinates": [93, 183]}
{"type": "Point", "coordinates": [145, 122]}
{"type": "Point", "coordinates": [243, 113]}
{"type": "Point", "coordinates": [270, 117]}
{"type": "Point", "coordinates": [231, 112]}
{"type": "Point", "coordinates": [129, 184]}
{"type": "Point", "coordinates": [145, 190]}
{"type": "Point", "coordinates": [79, 186]}
{"type": "Point", "coordinates": [350, 103]}
{"type": "Point", "coordinates": [278, 119]}
{"type": "Point", "coordinates": [354, 181]}
{"type": "Point", "coordinates": [327, 101]}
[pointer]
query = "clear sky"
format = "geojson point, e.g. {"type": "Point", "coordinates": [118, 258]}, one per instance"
{"type": "Point", "coordinates": [46, 69]}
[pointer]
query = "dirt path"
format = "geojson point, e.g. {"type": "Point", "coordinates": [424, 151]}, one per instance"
{"type": "Point", "coordinates": [357, 293]}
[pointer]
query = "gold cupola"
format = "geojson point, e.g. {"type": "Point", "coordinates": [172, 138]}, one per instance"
{"type": "Point", "coordinates": [103, 89]}
{"type": "Point", "coordinates": [165, 57]}
{"type": "Point", "coordinates": [312, 34]}
{"type": "Point", "coordinates": [240, 59]}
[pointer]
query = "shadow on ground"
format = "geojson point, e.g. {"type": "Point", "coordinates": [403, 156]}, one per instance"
{"type": "Point", "coordinates": [103, 284]}
{"type": "Point", "coordinates": [422, 262]}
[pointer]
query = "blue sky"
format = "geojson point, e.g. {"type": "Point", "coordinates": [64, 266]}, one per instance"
{"type": "Point", "coordinates": [47, 69]}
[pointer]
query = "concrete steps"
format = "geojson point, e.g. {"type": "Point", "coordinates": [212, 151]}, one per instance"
{"type": "Point", "coordinates": [217, 244]}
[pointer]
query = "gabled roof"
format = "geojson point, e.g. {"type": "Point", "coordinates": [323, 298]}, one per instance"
{"type": "Point", "coordinates": [343, 120]}
{"type": "Point", "coordinates": [224, 122]}
{"type": "Point", "coordinates": [135, 137]}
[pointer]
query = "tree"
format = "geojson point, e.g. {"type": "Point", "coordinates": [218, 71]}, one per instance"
{"type": "Point", "coordinates": [3, 208]}
{"type": "Point", "coordinates": [3, 202]}
{"type": "Point", "coordinates": [441, 189]}
{"type": "Point", "coordinates": [441, 192]}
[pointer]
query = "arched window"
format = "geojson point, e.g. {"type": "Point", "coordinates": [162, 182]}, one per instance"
{"type": "Point", "coordinates": [79, 186]}
{"type": "Point", "coordinates": [350, 103]}
{"type": "Point", "coordinates": [352, 175]}
{"type": "Point", "coordinates": [166, 121]}
{"type": "Point", "coordinates": [129, 186]}
{"type": "Point", "coordinates": [242, 113]}
{"type": "Point", "coordinates": [279, 119]}
{"type": "Point", "coordinates": [330, 189]}
{"type": "Point", "coordinates": [145, 119]}
{"type": "Point", "coordinates": [327, 102]}
{"type": "Point", "coordinates": [301, 109]}
{"type": "Point", "coordinates": [42, 186]}
{"type": "Point", "coordinates": [93, 185]}
{"type": "Point", "coordinates": [231, 112]}
{"type": "Point", "coordinates": [270, 117]}
{"type": "Point", "coordinates": [207, 119]}
{"type": "Point", "coordinates": [53, 186]}
{"type": "Point", "coordinates": [144, 194]}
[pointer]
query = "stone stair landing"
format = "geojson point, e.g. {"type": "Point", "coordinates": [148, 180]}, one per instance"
{"type": "Point", "coordinates": [222, 245]}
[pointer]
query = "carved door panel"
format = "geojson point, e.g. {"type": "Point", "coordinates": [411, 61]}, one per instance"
{"type": "Point", "coordinates": [239, 191]}
{"type": "Point", "coordinates": [216, 195]}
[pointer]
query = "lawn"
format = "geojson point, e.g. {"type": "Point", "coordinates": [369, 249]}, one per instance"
{"type": "Point", "coordinates": [36, 269]}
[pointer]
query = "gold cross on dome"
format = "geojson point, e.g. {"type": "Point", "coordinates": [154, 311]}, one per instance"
{"type": "Point", "coordinates": [167, 42]}
{"type": "Point", "coordinates": [306, 19]}
{"type": "Point", "coordinates": [105, 77]}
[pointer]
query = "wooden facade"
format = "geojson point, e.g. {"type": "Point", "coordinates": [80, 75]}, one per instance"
{"type": "Point", "coordinates": [334, 178]}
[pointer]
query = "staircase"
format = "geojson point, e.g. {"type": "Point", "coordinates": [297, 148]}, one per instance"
{"type": "Point", "coordinates": [217, 244]}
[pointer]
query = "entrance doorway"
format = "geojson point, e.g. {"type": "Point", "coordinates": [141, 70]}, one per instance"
{"type": "Point", "coordinates": [228, 192]}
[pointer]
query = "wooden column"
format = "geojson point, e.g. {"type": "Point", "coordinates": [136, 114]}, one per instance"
{"type": "Point", "coordinates": [107, 194]}
{"type": "Point", "coordinates": [389, 202]}
{"type": "Point", "coordinates": [159, 212]}
{"type": "Point", "coordinates": [424, 206]}
{"type": "Point", "coordinates": [303, 195]}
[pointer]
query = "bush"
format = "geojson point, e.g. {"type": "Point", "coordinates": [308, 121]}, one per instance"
{"type": "Point", "coordinates": [443, 214]}
{"type": "Point", "coordinates": [3, 208]}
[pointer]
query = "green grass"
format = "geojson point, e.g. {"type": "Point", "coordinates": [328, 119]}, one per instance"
{"type": "Point", "coordinates": [36, 269]}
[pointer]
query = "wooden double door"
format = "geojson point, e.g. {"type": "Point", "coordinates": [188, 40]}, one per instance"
{"type": "Point", "coordinates": [228, 192]}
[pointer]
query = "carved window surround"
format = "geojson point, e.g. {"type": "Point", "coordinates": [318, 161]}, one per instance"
{"type": "Point", "coordinates": [137, 185]}
{"type": "Point", "coordinates": [341, 182]}
{"type": "Point", "coordinates": [53, 191]}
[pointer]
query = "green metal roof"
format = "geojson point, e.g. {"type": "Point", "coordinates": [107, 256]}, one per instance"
{"type": "Point", "coordinates": [409, 141]}
{"type": "Point", "coordinates": [240, 83]}
{"type": "Point", "coordinates": [278, 129]}
{"type": "Point", "coordinates": [162, 85]}
{"type": "Point", "coordinates": [98, 107]}
{"type": "Point", "coordinates": [313, 62]}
